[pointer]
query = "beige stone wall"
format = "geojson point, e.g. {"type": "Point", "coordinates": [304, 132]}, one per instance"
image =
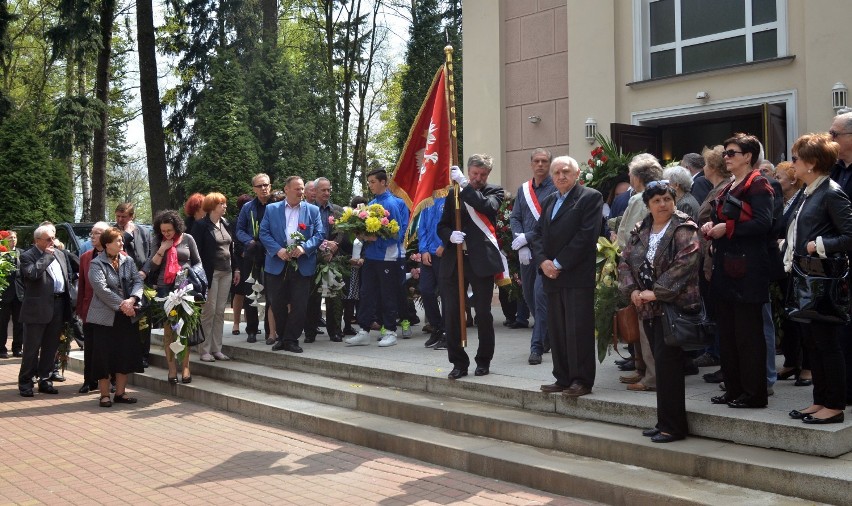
{"type": "Point", "coordinates": [535, 56]}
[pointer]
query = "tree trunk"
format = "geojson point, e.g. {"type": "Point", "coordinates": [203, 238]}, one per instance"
{"type": "Point", "coordinates": [270, 23]}
{"type": "Point", "coordinates": [99, 158]}
{"type": "Point", "coordinates": [68, 160]}
{"type": "Point", "coordinates": [152, 114]}
{"type": "Point", "coordinates": [85, 147]}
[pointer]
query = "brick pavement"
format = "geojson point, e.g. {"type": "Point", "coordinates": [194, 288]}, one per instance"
{"type": "Point", "coordinates": [64, 449]}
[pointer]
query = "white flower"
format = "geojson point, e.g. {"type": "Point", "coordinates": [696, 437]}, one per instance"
{"type": "Point", "coordinates": [257, 287]}
{"type": "Point", "coordinates": [253, 304]}
{"type": "Point", "coordinates": [598, 163]}
{"type": "Point", "coordinates": [176, 347]}
{"type": "Point", "coordinates": [249, 279]}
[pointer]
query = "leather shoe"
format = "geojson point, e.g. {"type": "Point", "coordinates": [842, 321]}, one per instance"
{"type": "Point", "coordinates": [270, 341]}
{"type": "Point", "coordinates": [287, 346]}
{"type": "Point", "coordinates": [714, 377]}
{"type": "Point", "coordinates": [28, 392]}
{"type": "Point", "coordinates": [481, 371]}
{"type": "Point", "coordinates": [535, 359]}
{"type": "Point", "coordinates": [336, 338]}
{"type": "Point", "coordinates": [87, 388]}
{"type": "Point", "coordinates": [44, 387]}
{"type": "Point", "coordinates": [577, 390]}
{"type": "Point", "coordinates": [553, 388]}
{"type": "Point", "coordinates": [57, 376]}
{"type": "Point", "coordinates": [309, 339]}
{"type": "Point", "coordinates": [797, 414]}
{"type": "Point", "coordinates": [318, 332]}
{"type": "Point", "coordinates": [719, 399]}
{"type": "Point", "coordinates": [457, 373]}
{"type": "Point", "coordinates": [252, 338]}
{"type": "Point", "coordinates": [518, 325]}
{"type": "Point", "coordinates": [742, 403]}
{"type": "Point", "coordinates": [665, 438]}
{"type": "Point", "coordinates": [650, 432]}
{"type": "Point", "coordinates": [811, 419]}
{"type": "Point", "coordinates": [803, 382]}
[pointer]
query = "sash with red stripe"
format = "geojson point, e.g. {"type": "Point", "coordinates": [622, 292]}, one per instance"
{"type": "Point", "coordinates": [532, 199]}
{"type": "Point", "coordinates": [487, 228]}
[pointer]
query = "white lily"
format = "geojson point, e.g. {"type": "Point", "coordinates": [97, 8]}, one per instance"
{"type": "Point", "coordinates": [249, 279]}
{"type": "Point", "coordinates": [257, 287]}
{"type": "Point", "coordinates": [176, 347]}
{"type": "Point", "coordinates": [177, 298]}
{"type": "Point", "coordinates": [252, 296]}
{"type": "Point", "coordinates": [253, 304]}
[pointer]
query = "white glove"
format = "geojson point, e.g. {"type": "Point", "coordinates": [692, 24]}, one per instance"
{"type": "Point", "coordinates": [457, 176]}
{"type": "Point", "coordinates": [519, 242]}
{"type": "Point", "coordinates": [457, 237]}
{"type": "Point", "coordinates": [524, 255]}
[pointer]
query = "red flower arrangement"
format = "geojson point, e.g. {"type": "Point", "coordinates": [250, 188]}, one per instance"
{"type": "Point", "coordinates": [302, 226]}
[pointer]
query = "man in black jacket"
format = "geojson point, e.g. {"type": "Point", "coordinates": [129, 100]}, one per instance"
{"type": "Point", "coordinates": [479, 203]}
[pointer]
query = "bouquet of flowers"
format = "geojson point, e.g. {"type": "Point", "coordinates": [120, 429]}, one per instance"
{"type": "Point", "coordinates": [371, 221]}
{"type": "Point", "coordinates": [504, 240]}
{"type": "Point", "coordinates": [607, 296]}
{"type": "Point", "coordinates": [7, 260]}
{"type": "Point", "coordinates": [330, 275]}
{"type": "Point", "coordinates": [298, 239]}
{"type": "Point", "coordinates": [181, 311]}
{"type": "Point", "coordinates": [606, 163]}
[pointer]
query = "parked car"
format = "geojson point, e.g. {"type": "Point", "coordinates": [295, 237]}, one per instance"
{"type": "Point", "coordinates": [72, 235]}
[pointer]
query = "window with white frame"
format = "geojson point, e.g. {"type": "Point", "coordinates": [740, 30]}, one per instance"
{"type": "Point", "coordinates": [683, 36]}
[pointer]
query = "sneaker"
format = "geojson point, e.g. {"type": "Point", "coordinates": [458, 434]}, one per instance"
{"type": "Point", "coordinates": [433, 339]}
{"type": "Point", "coordinates": [362, 338]}
{"type": "Point", "coordinates": [382, 333]}
{"type": "Point", "coordinates": [428, 329]}
{"type": "Point", "coordinates": [441, 345]}
{"type": "Point", "coordinates": [389, 339]}
{"type": "Point", "coordinates": [406, 329]}
{"type": "Point", "coordinates": [207, 358]}
{"type": "Point", "coordinates": [706, 360]}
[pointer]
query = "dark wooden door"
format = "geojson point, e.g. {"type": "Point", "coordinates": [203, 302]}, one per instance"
{"type": "Point", "coordinates": [774, 132]}
{"type": "Point", "coordinates": [637, 139]}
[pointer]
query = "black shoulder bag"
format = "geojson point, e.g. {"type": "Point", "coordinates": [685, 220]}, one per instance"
{"type": "Point", "coordinates": [819, 289]}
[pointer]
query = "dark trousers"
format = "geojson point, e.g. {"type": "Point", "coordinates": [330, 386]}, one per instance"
{"type": "Point", "coordinates": [10, 311]}
{"type": "Point", "coordinates": [252, 318]}
{"type": "Point", "coordinates": [88, 340]}
{"type": "Point", "coordinates": [41, 341]}
{"type": "Point", "coordinates": [572, 335]}
{"type": "Point", "coordinates": [827, 364]}
{"type": "Point", "coordinates": [845, 333]}
{"type": "Point", "coordinates": [314, 311]}
{"type": "Point", "coordinates": [508, 306]}
{"type": "Point", "coordinates": [671, 389]}
{"type": "Point", "coordinates": [289, 288]}
{"type": "Point", "coordinates": [795, 353]}
{"type": "Point", "coordinates": [743, 351]}
{"type": "Point", "coordinates": [333, 310]}
{"type": "Point", "coordinates": [429, 293]}
{"type": "Point", "coordinates": [483, 289]}
{"type": "Point", "coordinates": [381, 281]}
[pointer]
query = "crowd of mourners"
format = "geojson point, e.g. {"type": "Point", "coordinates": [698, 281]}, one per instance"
{"type": "Point", "coordinates": [717, 230]}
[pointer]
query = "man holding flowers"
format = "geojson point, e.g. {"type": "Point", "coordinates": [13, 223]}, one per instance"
{"type": "Point", "coordinates": [383, 274]}
{"type": "Point", "coordinates": [248, 233]}
{"type": "Point", "coordinates": [291, 232]}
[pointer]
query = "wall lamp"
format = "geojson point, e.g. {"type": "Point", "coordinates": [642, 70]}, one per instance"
{"type": "Point", "coordinates": [591, 130]}
{"type": "Point", "coordinates": [839, 94]}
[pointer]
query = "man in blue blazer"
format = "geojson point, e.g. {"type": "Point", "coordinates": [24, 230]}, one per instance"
{"type": "Point", "coordinates": [290, 263]}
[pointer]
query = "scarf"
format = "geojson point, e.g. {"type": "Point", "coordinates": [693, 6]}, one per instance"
{"type": "Point", "coordinates": [172, 264]}
{"type": "Point", "coordinates": [791, 230]}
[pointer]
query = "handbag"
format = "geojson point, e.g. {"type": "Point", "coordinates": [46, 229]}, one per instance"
{"type": "Point", "coordinates": [687, 330]}
{"type": "Point", "coordinates": [625, 326]}
{"type": "Point", "coordinates": [197, 337]}
{"type": "Point", "coordinates": [819, 290]}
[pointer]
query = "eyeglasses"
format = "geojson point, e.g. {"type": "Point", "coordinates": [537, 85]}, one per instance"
{"type": "Point", "coordinates": [264, 185]}
{"type": "Point", "coordinates": [731, 153]}
{"type": "Point", "coordinates": [662, 184]}
{"type": "Point", "coordinates": [835, 135]}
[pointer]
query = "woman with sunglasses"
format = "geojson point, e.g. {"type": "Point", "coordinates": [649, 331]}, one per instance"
{"type": "Point", "coordinates": [740, 228]}
{"type": "Point", "coordinates": [821, 227]}
{"type": "Point", "coordinates": [660, 263]}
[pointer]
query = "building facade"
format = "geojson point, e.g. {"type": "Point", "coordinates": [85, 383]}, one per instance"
{"type": "Point", "coordinates": [664, 76]}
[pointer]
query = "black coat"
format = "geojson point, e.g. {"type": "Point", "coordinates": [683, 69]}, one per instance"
{"type": "Point", "coordinates": [203, 232]}
{"type": "Point", "coordinates": [37, 304]}
{"type": "Point", "coordinates": [825, 213]}
{"type": "Point", "coordinates": [485, 257]}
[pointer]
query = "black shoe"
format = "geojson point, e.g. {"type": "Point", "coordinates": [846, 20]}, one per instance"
{"type": "Point", "coordinates": [518, 325]}
{"type": "Point", "coordinates": [433, 339]}
{"type": "Point", "coordinates": [17, 354]}
{"type": "Point", "coordinates": [535, 359]}
{"type": "Point", "coordinates": [319, 332]}
{"type": "Point", "coordinates": [57, 376]}
{"type": "Point", "coordinates": [811, 419]}
{"type": "Point", "coordinates": [650, 432]}
{"type": "Point", "coordinates": [186, 380]}
{"type": "Point", "coordinates": [349, 331]}
{"type": "Point", "coordinates": [506, 323]}
{"type": "Point", "coordinates": [797, 414]}
{"type": "Point", "coordinates": [457, 373]}
{"type": "Point", "coordinates": [27, 392]}
{"type": "Point", "coordinates": [720, 399]}
{"type": "Point", "coordinates": [84, 389]}
{"type": "Point", "coordinates": [321, 322]}
{"type": "Point", "coordinates": [252, 338]}
{"type": "Point", "coordinates": [481, 371]}
{"type": "Point", "coordinates": [803, 382]}
{"type": "Point", "coordinates": [44, 387]}
{"type": "Point", "coordinates": [144, 363]}
{"type": "Point", "coordinates": [4, 354]}
{"type": "Point", "coordinates": [336, 338]}
{"type": "Point", "coordinates": [742, 403]}
{"type": "Point", "coordinates": [665, 438]}
{"type": "Point", "coordinates": [690, 369]}
{"type": "Point", "coordinates": [414, 320]}
{"type": "Point", "coordinates": [287, 346]}
{"type": "Point", "coordinates": [441, 345]}
{"type": "Point", "coordinates": [308, 339]}
{"type": "Point", "coordinates": [714, 377]}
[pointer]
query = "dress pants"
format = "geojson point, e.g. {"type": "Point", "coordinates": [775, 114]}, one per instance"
{"type": "Point", "coordinates": [429, 292]}
{"type": "Point", "coordinates": [381, 283]}
{"type": "Point", "coordinates": [333, 315]}
{"type": "Point", "coordinates": [483, 291]}
{"type": "Point", "coordinates": [252, 318]}
{"type": "Point", "coordinates": [41, 341]}
{"type": "Point", "coordinates": [314, 311]}
{"type": "Point", "coordinates": [845, 333]}
{"type": "Point", "coordinates": [88, 343]}
{"type": "Point", "coordinates": [10, 311]}
{"type": "Point", "coordinates": [827, 364]}
{"type": "Point", "coordinates": [536, 300]}
{"type": "Point", "coordinates": [743, 351]}
{"type": "Point", "coordinates": [671, 389]}
{"type": "Point", "coordinates": [572, 335]}
{"type": "Point", "coordinates": [649, 363]}
{"type": "Point", "coordinates": [291, 289]}
{"type": "Point", "coordinates": [213, 312]}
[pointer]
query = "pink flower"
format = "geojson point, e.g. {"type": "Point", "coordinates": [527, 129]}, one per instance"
{"type": "Point", "coordinates": [331, 220]}
{"type": "Point", "coordinates": [385, 221]}
{"type": "Point", "coordinates": [387, 213]}
{"type": "Point", "coordinates": [363, 215]}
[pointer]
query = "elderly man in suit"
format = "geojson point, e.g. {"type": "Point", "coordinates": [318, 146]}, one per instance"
{"type": "Point", "coordinates": [328, 249]}
{"type": "Point", "coordinates": [483, 261]}
{"type": "Point", "coordinates": [289, 282]}
{"type": "Point", "coordinates": [46, 306]}
{"type": "Point", "coordinates": [564, 247]}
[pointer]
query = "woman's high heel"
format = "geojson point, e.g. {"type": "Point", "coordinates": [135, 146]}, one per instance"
{"type": "Point", "coordinates": [173, 381]}
{"type": "Point", "coordinates": [790, 373]}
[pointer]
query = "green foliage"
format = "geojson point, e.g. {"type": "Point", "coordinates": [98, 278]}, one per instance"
{"type": "Point", "coordinates": [42, 190]}
{"type": "Point", "coordinates": [607, 296]}
{"type": "Point", "coordinates": [606, 163]}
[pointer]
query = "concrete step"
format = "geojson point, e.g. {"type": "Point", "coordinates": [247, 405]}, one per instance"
{"type": "Point", "coordinates": [404, 368]}
{"type": "Point", "coordinates": [348, 412]}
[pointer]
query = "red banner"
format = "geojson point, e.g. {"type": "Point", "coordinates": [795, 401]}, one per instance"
{"type": "Point", "coordinates": [423, 171]}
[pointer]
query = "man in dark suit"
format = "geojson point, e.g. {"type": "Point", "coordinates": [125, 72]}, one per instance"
{"type": "Point", "coordinates": [328, 249]}
{"type": "Point", "coordinates": [479, 203]}
{"type": "Point", "coordinates": [564, 247]}
{"type": "Point", "coordinates": [288, 282]}
{"type": "Point", "coordinates": [46, 306]}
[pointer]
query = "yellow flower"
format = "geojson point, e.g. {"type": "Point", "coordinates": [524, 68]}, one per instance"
{"type": "Point", "coordinates": [347, 213]}
{"type": "Point", "coordinates": [377, 210]}
{"type": "Point", "coordinates": [393, 226]}
{"type": "Point", "coordinates": [173, 313]}
{"type": "Point", "coordinates": [373, 224]}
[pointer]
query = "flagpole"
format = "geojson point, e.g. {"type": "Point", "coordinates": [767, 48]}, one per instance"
{"type": "Point", "coordinates": [450, 90]}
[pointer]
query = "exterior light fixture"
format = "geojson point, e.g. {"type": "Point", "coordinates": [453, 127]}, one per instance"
{"type": "Point", "coordinates": [839, 94]}
{"type": "Point", "coordinates": [591, 130]}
